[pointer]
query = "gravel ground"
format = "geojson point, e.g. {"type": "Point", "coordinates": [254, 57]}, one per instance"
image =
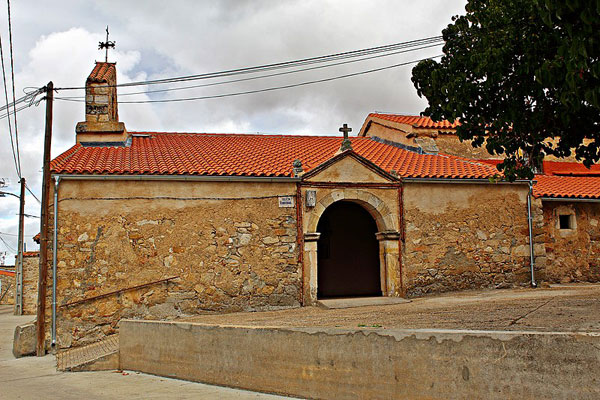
{"type": "Point", "coordinates": [564, 308]}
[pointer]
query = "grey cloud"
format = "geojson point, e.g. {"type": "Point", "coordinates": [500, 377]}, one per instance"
{"type": "Point", "coordinates": [155, 39]}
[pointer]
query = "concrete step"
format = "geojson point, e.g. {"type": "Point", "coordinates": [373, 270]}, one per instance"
{"type": "Point", "coordinates": [351, 302]}
{"type": "Point", "coordinates": [99, 356]}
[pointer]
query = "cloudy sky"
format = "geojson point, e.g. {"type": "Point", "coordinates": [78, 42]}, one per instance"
{"type": "Point", "coordinates": [58, 40]}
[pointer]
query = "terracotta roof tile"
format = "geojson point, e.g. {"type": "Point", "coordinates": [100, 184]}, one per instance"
{"type": "Point", "coordinates": [416, 121]}
{"type": "Point", "coordinates": [565, 180]}
{"type": "Point", "coordinates": [581, 187]}
{"type": "Point", "coordinates": [102, 71]}
{"type": "Point", "coordinates": [570, 169]}
{"type": "Point", "coordinates": [163, 153]}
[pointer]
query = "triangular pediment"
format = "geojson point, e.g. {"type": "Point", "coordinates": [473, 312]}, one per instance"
{"type": "Point", "coordinates": [349, 167]}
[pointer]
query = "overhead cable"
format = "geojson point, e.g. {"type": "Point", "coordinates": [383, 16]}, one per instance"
{"type": "Point", "coordinates": [265, 89]}
{"type": "Point", "coordinates": [10, 132]}
{"type": "Point", "coordinates": [266, 75]}
{"type": "Point", "coordinates": [12, 73]}
{"type": "Point", "coordinates": [34, 196]}
{"type": "Point", "coordinates": [8, 246]}
{"type": "Point", "coordinates": [286, 64]}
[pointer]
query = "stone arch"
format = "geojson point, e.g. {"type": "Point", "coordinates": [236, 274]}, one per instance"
{"type": "Point", "coordinates": [388, 236]}
{"type": "Point", "coordinates": [383, 216]}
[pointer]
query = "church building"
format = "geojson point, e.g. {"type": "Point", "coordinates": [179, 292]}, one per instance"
{"type": "Point", "coordinates": [160, 225]}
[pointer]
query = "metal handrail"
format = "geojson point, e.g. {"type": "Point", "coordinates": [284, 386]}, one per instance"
{"type": "Point", "coordinates": [100, 296]}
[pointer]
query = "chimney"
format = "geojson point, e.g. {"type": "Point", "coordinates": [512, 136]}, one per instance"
{"type": "Point", "coordinates": [101, 125]}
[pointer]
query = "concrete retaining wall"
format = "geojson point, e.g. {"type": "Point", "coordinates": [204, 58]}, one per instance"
{"type": "Point", "coordinates": [368, 364]}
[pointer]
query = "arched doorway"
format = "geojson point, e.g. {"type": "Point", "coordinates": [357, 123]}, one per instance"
{"type": "Point", "coordinates": [347, 252]}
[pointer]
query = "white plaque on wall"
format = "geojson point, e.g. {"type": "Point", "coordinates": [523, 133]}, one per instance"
{"type": "Point", "coordinates": [311, 198]}
{"type": "Point", "coordinates": [286, 201]}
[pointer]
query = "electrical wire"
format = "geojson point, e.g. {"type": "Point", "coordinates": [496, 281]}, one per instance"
{"type": "Point", "coordinates": [12, 145]}
{"type": "Point", "coordinates": [266, 89]}
{"type": "Point", "coordinates": [8, 246]}
{"type": "Point", "coordinates": [286, 64]}
{"type": "Point", "coordinates": [267, 75]}
{"type": "Point", "coordinates": [9, 234]}
{"type": "Point", "coordinates": [30, 192]}
{"type": "Point", "coordinates": [12, 73]}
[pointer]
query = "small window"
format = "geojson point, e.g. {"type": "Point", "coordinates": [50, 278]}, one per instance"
{"type": "Point", "coordinates": [565, 221]}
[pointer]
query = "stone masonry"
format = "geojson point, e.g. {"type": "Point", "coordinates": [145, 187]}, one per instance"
{"type": "Point", "coordinates": [476, 237]}
{"type": "Point", "coordinates": [225, 255]}
{"type": "Point", "coordinates": [31, 267]}
{"type": "Point", "coordinates": [572, 255]}
{"type": "Point", "coordinates": [7, 284]}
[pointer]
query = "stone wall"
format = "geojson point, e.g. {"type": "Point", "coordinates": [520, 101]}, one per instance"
{"type": "Point", "coordinates": [573, 255]}
{"type": "Point", "coordinates": [31, 267]}
{"type": "Point", "coordinates": [450, 144]}
{"type": "Point", "coordinates": [465, 236]}
{"type": "Point", "coordinates": [229, 246]}
{"type": "Point", "coordinates": [7, 283]}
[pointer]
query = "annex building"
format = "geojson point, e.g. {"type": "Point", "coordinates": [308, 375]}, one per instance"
{"type": "Point", "coordinates": [158, 225]}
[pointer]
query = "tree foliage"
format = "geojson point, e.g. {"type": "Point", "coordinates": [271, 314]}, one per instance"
{"type": "Point", "coordinates": [523, 77]}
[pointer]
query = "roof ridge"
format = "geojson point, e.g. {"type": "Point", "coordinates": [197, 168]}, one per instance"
{"type": "Point", "coordinates": [262, 135]}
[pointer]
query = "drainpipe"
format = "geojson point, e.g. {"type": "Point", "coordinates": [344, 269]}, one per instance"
{"type": "Point", "coordinates": [54, 235]}
{"type": "Point", "coordinates": [530, 223]}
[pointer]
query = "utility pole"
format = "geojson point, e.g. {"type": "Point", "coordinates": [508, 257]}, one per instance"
{"type": "Point", "coordinates": [43, 269]}
{"type": "Point", "coordinates": [19, 288]}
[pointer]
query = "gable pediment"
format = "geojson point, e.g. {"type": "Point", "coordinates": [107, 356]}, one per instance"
{"type": "Point", "coordinates": [349, 167]}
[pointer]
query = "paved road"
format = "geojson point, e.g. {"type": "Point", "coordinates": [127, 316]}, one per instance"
{"type": "Point", "coordinates": [37, 378]}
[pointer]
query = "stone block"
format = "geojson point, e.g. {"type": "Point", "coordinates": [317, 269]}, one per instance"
{"type": "Point", "coordinates": [270, 240]}
{"type": "Point", "coordinates": [101, 99]}
{"type": "Point", "coordinates": [337, 195]}
{"type": "Point", "coordinates": [24, 340]}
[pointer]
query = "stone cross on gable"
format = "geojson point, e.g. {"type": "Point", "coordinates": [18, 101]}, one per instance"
{"type": "Point", "coordinates": [106, 45]}
{"type": "Point", "coordinates": [346, 143]}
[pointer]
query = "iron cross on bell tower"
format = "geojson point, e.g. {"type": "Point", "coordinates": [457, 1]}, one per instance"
{"type": "Point", "coordinates": [106, 45]}
{"type": "Point", "coordinates": [346, 143]}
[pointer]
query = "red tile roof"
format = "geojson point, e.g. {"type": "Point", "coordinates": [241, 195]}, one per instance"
{"type": "Point", "coordinates": [7, 273]}
{"type": "Point", "coordinates": [102, 71]}
{"type": "Point", "coordinates": [31, 254]}
{"type": "Point", "coordinates": [565, 180]}
{"type": "Point", "coordinates": [161, 153]}
{"type": "Point", "coordinates": [567, 187]}
{"type": "Point", "coordinates": [570, 169]}
{"type": "Point", "coordinates": [416, 121]}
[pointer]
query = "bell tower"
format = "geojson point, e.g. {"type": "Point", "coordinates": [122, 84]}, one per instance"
{"type": "Point", "coordinates": [101, 123]}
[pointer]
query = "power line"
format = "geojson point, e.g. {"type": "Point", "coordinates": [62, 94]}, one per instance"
{"type": "Point", "coordinates": [266, 89]}
{"type": "Point", "coordinates": [9, 234]}
{"type": "Point", "coordinates": [8, 246]}
{"type": "Point", "coordinates": [286, 64]}
{"type": "Point", "coordinates": [12, 73]}
{"type": "Point", "coordinates": [12, 145]}
{"type": "Point", "coordinates": [267, 75]}
{"type": "Point", "coordinates": [30, 192]}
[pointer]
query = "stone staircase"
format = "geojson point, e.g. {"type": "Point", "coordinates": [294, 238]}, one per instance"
{"type": "Point", "coordinates": [99, 356]}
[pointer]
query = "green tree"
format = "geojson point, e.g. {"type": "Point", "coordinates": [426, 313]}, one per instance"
{"type": "Point", "coordinates": [523, 77]}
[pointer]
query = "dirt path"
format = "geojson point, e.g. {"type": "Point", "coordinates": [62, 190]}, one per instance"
{"type": "Point", "coordinates": [559, 308]}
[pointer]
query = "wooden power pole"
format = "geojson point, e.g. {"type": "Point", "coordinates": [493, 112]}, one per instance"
{"type": "Point", "coordinates": [19, 289]}
{"type": "Point", "coordinates": [43, 269]}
